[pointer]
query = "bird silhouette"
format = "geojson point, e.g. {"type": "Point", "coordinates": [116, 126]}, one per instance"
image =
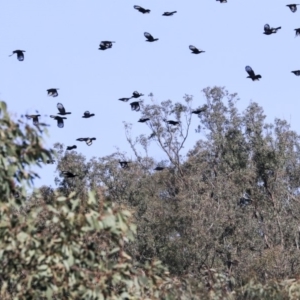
{"type": "Point", "coordinates": [159, 168]}
{"type": "Point", "coordinates": [141, 9]}
{"type": "Point", "coordinates": [52, 92]}
{"type": "Point", "coordinates": [50, 161]}
{"type": "Point", "coordinates": [195, 50]}
{"type": "Point", "coordinates": [35, 119]}
{"type": "Point", "coordinates": [71, 147]}
{"type": "Point", "coordinates": [171, 122]}
{"type": "Point", "coordinates": [149, 37]}
{"type": "Point", "coordinates": [87, 114]}
{"type": "Point", "coordinates": [200, 110]}
{"type": "Point", "coordinates": [252, 74]}
{"type": "Point", "coordinates": [68, 174]}
{"type": "Point", "coordinates": [60, 120]}
{"type": "Point", "coordinates": [88, 141]}
{"type": "Point", "coordinates": [167, 14]}
{"type": "Point", "coordinates": [292, 7]}
{"type": "Point", "coordinates": [269, 30]}
{"type": "Point", "coordinates": [297, 31]}
{"type": "Point", "coordinates": [20, 54]}
{"type": "Point", "coordinates": [62, 110]}
{"type": "Point", "coordinates": [105, 45]}
{"type": "Point", "coordinates": [125, 99]}
{"type": "Point", "coordinates": [222, 1]}
{"type": "Point", "coordinates": [143, 120]}
{"type": "Point", "coordinates": [136, 94]}
{"type": "Point", "coordinates": [135, 105]}
{"type": "Point", "coordinates": [297, 72]}
{"type": "Point", "coordinates": [124, 164]}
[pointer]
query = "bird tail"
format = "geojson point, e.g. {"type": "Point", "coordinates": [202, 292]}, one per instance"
{"type": "Point", "coordinates": [174, 12]}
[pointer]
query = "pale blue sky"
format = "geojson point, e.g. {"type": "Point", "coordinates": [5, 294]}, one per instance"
{"type": "Point", "coordinates": [61, 40]}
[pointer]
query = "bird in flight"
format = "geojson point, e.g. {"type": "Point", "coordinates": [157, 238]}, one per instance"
{"type": "Point", "coordinates": [171, 122]}
{"type": "Point", "coordinates": [87, 114]}
{"type": "Point", "coordinates": [149, 37]}
{"type": "Point", "coordinates": [125, 99]}
{"type": "Point", "coordinates": [167, 14]}
{"type": "Point", "coordinates": [135, 105]}
{"type": "Point", "coordinates": [195, 50]}
{"type": "Point", "coordinates": [60, 120]}
{"type": "Point", "coordinates": [159, 168]}
{"type": "Point", "coordinates": [35, 119]}
{"type": "Point", "coordinates": [200, 110]}
{"type": "Point", "coordinates": [20, 54]}
{"type": "Point", "coordinates": [88, 141]}
{"type": "Point", "coordinates": [71, 147]}
{"type": "Point", "coordinates": [143, 120]}
{"type": "Point", "coordinates": [222, 1]}
{"type": "Point", "coordinates": [124, 164]}
{"type": "Point", "coordinates": [252, 74]}
{"type": "Point", "coordinates": [68, 174]}
{"type": "Point", "coordinates": [297, 31]}
{"type": "Point", "coordinates": [105, 45]}
{"type": "Point", "coordinates": [141, 9]}
{"type": "Point", "coordinates": [269, 30]}
{"type": "Point", "coordinates": [52, 92]}
{"type": "Point", "coordinates": [293, 7]}
{"type": "Point", "coordinates": [297, 72]}
{"type": "Point", "coordinates": [136, 94]}
{"type": "Point", "coordinates": [62, 110]}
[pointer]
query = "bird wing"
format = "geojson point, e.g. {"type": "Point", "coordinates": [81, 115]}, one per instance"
{"type": "Point", "coordinates": [249, 71]}
{"type": "Point", "coordinates": [148, 36]}
{"type": "Point", "coordinates": [193, 48]}
{"type": "Point", "coordinates": [61, 108]}
{"type": "Point", "coordinates": [267, 27]}
{"type": "Point", "coordinates": [81, 139]}
{"type": "Point", "coordinates": [137, 7]}
{"type": "Point", "coordinates": [53, 117]}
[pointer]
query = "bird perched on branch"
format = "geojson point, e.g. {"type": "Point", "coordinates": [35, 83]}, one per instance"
{"type": "Point", "coordinates": [124, 164]}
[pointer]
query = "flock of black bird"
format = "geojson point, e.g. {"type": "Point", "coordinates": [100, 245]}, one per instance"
{"type": "Point", "coordinates": [135, 105]}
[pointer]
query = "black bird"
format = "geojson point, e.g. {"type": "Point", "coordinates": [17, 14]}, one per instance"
{"type": "Point", "coordinates": [105, 45]}
{"type": "Point", "coordinates": [88, 141]}
{"type": "Point", "coordinates": [195, 50]}
{"type": "Point", "coordinates": [87, 114]}
{"type": "Point", "coordinates": [50, 161]}
{"type": "Point", "coordinates": [20, 54]}
{"type": "Point", "coordinates": [35, 119]}
{"type": "Point", "coordinates": [167, 14]}
{"type": "Point", "coordinates": [159, 168]}
{"type": "Point", "coordinates": [141, 9]}
{"type": "Point", "coordinates": [124, 164]}
{"type": "Point", "coordinates": [143, 120]}
{"type": "Point", "coordinates": [125, 99]}
{"type": "Point", "coordinates": [171, 122]}
{"type": "Point", "coordinates": [293, 7]}
{"type": "Point", "coordinates": [60, 120]}
{"type": "Point", "coordinates": [297, 73]}
{"type": "Point", "coordinates": [269, 30]}
{"type": "Point", "coordinates": [252, 74]}
{"type": "Point", "coordinates": [68, 174]}
{"type": "Point", "coordinates": [71, 147]}
{"type": "Point", "coordinates": [135, 105]}
{"type": "Point", "coordinates": [149, 37]}
{"type": "Point", "coordinates": [136, 94]}
{"type": "Point", "coordinates": [222, 1]}
{"type": "Point", "coordinates": [62, 110]}
{"type": "Point", "coordinates": [297, 31]}
{"type": "Point", "coordinates": [52, 92]}
{"type": "Point", "coordinates": [200, 110]}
